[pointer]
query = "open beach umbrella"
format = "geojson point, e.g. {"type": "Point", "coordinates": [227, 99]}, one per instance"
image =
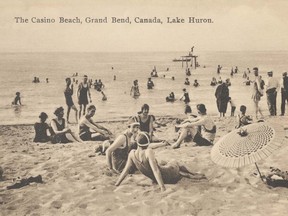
{"type": "Point", "coordinates": [248, 145]}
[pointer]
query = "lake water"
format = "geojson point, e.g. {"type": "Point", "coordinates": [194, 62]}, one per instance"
{"type": "Point", "coordinates": [18, 70]}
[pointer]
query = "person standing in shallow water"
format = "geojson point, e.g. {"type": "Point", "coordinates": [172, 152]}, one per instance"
{"type": "Point", "coordinates": [222, 98]}
{"type": "Point", "coordinates": [185, 96]}
{"type": "Point", "coordinates": [284, 92]}
{"type": "Point", "coordinates": [83, 93]}
{"type": "Point", "coordinates": [68, 92]}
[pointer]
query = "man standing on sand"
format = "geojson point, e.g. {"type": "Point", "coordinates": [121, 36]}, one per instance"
{"type": "Point", "coordinates": [284, 92]}
{"type": "Point", "coordinates": [271, 91]}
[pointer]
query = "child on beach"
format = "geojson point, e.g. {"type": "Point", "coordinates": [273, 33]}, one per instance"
{"type": "Point", "coordinates": [233, 106]}
{"type": "Point", "coordinates": [208, 129]}
{"type": "Point", "coordinates": [196, 84]}
{"type": "Point", "coordinates": [187, 82]}
{"type": "Point", "coordinates": [150, 84]}
{"type": "Point", "coordinates": [242, 118]}
{"type": "Point", "coordinates": [86, 124]}
{"type": "Point", "coordinates": [144, 160]}
{"type": "Point", "coordinates": [59, 132]}
{"type": "Point", "coordinates": [41, 129]}
{"type": "Point", "coordinates": [17, 99]}
{"type": "Point", "coordinates": [171, 97]}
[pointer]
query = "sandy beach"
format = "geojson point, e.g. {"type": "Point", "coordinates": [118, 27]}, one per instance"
{"type": "Point", "coordinates": [76, 180]}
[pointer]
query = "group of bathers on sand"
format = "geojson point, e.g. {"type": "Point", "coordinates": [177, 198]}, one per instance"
{"type": "Point", "coordinates": [133, 148]}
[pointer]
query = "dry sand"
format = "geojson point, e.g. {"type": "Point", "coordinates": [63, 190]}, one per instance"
{"type": "Point", "coordinates": [76, 181]}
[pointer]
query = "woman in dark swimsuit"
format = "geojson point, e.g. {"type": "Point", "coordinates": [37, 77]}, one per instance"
{"type": "Point", "coordinates": [185, 96]}
{"type": "Point", "coordinates": [69, 101]}
{"type": "Point", "coordinates": [117, 152]}
{"type": "Point", "coordinates": [82, 93]}
{"type": "Point", "coordinates": [144, 160]}
{"type": "Point", "coordinates": [60, 133]}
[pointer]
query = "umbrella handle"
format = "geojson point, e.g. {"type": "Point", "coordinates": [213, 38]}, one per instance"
{"type": "Point", "coordinates": [259, 172]}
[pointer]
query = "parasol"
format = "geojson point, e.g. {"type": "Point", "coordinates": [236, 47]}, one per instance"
{"type": "Point", "coordinates": [248, 145]}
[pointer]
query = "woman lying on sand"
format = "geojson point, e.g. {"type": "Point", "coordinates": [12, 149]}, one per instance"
{"type": "Point", "coordinates": [117, 152]}
{"type": "Point", "coordinates": [208, 129]}
{"type": "Point", "coordinates": [60, 133]}
{"type": "Point", "coordinates": [86, 124]}
{"type": "Point", "coordinates": [144, 160]}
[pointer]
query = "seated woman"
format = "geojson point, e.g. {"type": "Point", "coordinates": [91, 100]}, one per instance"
{"type": "Point", "coordinates": [171, 97]}
{"type": "Point", "coordinates": [208, 129]}
{"type": "Point", "coordinates": [144, 160]}
{"type": "Point", "coordinates": [86, 124]}
{"type": "Point", "coordinates": [213, 82]}
{"type": "Point", "coordinates": [117, 152]}
{"type": "Point", "coordinates": [59, 132]}
{"type": "Point", "coordinates": [41, 129]}
{"type": "Point", "coordinates": [243, 119]}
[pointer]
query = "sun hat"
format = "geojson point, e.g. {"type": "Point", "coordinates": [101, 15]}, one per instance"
{"type": "Point", "coordinates": [142, 139]}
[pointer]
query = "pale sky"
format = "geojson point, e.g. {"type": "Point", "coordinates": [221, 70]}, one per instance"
{"type": "Point", "coordinates": [238, 25]}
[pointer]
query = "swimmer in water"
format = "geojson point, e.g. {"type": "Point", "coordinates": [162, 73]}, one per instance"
{"type": "Point", "coordinates": [17, 99]}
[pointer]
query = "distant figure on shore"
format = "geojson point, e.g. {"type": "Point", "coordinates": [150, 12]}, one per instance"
{"type": "Point", "coordinates": [219, 69]}
{"type": "Point", "coordinates": [243, 119]}
{"type": "Point", "coordinates": [144, 160]}
{"type": "Point", "coordinates": [59, 132]}
{"type": "Point", "coordinates": [257, 92]}
{"type": "Point", "coordinates": [196, 84]}
{"type": "Point", "coordinates": [114, 78]}
{"type": "Point", "coordinates": [213, 82]}
{"type": "Point", "coordinates": [233, 106]}
{"type": "Point", "coordinates": [173, 78]}
{"type": "Point", "coordinates": [171, 97]}
{"type": "Point", "coordinates": [150, 83]}
{"type": "Point", "coordinates": [41, 129]}
{"type": "Point", "coordinates": [82, 94]}
{"type": "Point", "coordinates": [222, 98]}
{"type": "Point", "coordinates": [187, 82]}
{"type": "Point", "coordinates": [271, 91]}
{"type": "Point", "coordinates": [284, 92]}
{"type": "Point", "coordinates": [248, 70]}
{"type": "Point", "coordinates": [117, 152]}
{"type": "Point", "coordinates": [47, 80]}
{"type": "Point", "coordinates": [134, 92]}
{"type": "Point", "coordinates": [68, 92]}
{"type": "Point", "coordinates": [185, 96]}
{"type": "Point", "coordinates": [167, 69]}
{"type": "Point", "coordinates": [17, 99]}
{"type": "Point", "coordinates": [188, 128]}
{"type": "Point", "coordinates": [86, 124]}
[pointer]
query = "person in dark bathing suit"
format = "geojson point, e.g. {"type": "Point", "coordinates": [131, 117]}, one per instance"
{"type": "Point", "coordinates": [117, 152]}
{"type": "Point", "coordinates": [60, 133]}
{"type": "Point", "coordinates": [82, 93]}
{"type": "Point", "coordinates": [86, 124]}
{"type": "Point", "coordinates": [17, 99]}
{"type": "Point", "coordinates": [41, 129]}
{"type": "Point", "coordinates": [68, 92]}
{"type": "Point", "coordinates": [144, 160]}
{"type": "Point", "coordinates": [185, 96]}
